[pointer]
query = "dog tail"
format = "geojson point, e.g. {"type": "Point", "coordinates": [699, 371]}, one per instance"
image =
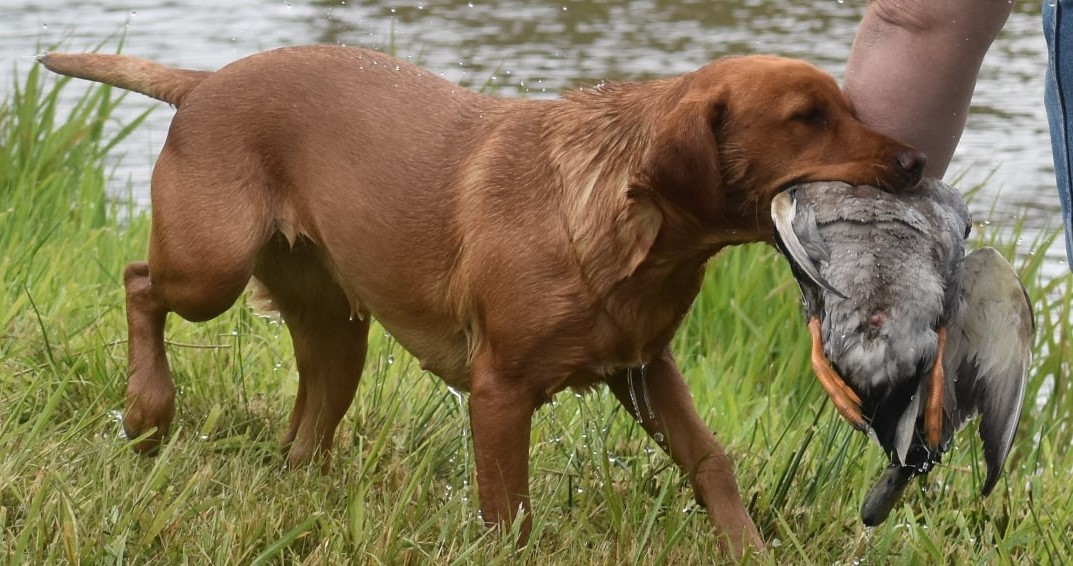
{"type": "Point", "coordinates": [168, 84]}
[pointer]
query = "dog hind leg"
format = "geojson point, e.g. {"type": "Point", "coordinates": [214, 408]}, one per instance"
{"type": "Point", "coordinates": [150, 395]}
{"type": "Point", "coordinates": [330, 350]}
{"type": "Point", "coordinates": [203, 243]}
{"type": "Point", "coordinates": [330, 344]}
{"type": "Point", "coordinates": [195, 294]}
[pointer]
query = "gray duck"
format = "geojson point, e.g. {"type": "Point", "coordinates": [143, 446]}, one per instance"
{"type": "Point", "coordinates": [911, 338]}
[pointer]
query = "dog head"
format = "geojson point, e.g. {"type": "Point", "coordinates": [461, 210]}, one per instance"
{"type": "Point", "coordinates": [744, 128]}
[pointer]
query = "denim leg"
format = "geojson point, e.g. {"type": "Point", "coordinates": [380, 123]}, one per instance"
{"type": "Point", "coordinates": [1058, 99]}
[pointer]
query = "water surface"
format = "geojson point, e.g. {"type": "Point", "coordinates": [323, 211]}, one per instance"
{"type": "Point", "coordinates": [538, 49]}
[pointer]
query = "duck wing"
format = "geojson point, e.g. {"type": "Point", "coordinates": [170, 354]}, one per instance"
{"type": "Point", "coordinates": [988, 354]}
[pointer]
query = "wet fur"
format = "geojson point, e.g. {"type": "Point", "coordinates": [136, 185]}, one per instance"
{"type": "Point", "coordinates": [514, 247]}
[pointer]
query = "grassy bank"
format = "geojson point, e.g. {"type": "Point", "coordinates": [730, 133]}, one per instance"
{"type": "Point", "coordinates": [401, 489]}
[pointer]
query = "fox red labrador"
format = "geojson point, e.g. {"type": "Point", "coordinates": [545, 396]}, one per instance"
{"type": "Point", "coordinates": [515, 247]}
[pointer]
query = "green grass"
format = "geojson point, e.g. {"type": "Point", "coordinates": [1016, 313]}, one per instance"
{"type": "Point", "coordinates": [401, 489]}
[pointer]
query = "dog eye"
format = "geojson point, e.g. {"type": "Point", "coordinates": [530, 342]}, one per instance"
{"type": "Point", "coordinates": [813, 116]}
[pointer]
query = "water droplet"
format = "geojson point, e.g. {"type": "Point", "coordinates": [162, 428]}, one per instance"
{"type": "Point", "coordinates": [457, 395]}
{"type": "Point", "coordinates": [644, 390]}
{"type": "Point", "coordinates": [117, 417]}
{"type": "Point", "coordinates": [633, 395]}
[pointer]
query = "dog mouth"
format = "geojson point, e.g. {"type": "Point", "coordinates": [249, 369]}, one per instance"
{"type": "Point", "coordinates": [794, 184]}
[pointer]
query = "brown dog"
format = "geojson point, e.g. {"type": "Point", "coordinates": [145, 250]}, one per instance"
{"type": "Point", "coordinates": [514, 247]}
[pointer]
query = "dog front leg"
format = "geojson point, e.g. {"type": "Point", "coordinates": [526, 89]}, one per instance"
{"type": "Point", "coordinates": [500, 413]}
{"type": "Point", "coordinates": [657, 397]}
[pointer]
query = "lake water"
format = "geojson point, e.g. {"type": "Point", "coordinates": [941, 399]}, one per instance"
{"type": "Point", "coordinates": [538, 49]}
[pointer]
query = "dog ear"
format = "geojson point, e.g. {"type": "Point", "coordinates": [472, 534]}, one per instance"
{"type": "Point", "coordinates": [636, 229]}
{"type": "Point", "coordinates": [612, 239]}
{"type": "Point", "coordinates": [682, 161]}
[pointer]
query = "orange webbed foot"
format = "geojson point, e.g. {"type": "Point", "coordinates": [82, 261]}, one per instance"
{"type": "Point", "coordinates": [845, 399]}
{"type": "Point", "coordinates": [933, 410]}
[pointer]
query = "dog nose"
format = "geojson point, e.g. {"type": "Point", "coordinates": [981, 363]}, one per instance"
{"type": "Point", "coordinates": [910, 164]}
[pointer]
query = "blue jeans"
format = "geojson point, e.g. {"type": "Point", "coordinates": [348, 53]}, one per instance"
{"type": "Point", "coordinates": [1058, 98]}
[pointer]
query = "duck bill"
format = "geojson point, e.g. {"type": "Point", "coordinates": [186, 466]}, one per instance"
{"type": "Point", "coordinates": [885, 494]}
